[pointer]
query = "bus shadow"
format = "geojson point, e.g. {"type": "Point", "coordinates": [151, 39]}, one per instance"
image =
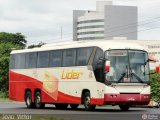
{"type": "Point", "coordinates": [96, 110]}
{"type": "Point", "coordinates": [104, 109]}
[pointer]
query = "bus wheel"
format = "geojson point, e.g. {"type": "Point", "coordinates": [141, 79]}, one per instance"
{"type": "Point", "coordinates": [38, 100]}
{"type": "Point", "coordinates": [28, 100]}
{"type": "Point", "coordinates": [74, 106]}
{"type": "Point", "coordinates": [61, 106]}
{"type": "Point", "coordinates": [124, 107]}
{"type": "Point", "coordinates": [87, 102]}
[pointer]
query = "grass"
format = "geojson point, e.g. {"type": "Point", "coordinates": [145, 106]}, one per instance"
{"type": "Point", "coordinates": [5, 100]}
{"type": "Point", "coordinates": [4, 97]}
{"type": "Point", "coordinates": [47, 117]}
{"type": "Point", "coordinates": [30, 117]}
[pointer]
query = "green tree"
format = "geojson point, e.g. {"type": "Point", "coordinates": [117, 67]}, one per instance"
{"type": "Point", "coordinates": [5, 49]}
{"type": "Point", "coordinates": [38, 45]}
{"type": "Point", "coordinates": [8, 42]}
{"type": "Point", "coordinates": [17, 38]}
{"type": "Point", "coordinates": [155, 87]}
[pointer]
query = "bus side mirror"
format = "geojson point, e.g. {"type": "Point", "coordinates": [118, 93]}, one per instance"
{"type": "Point", "coordinates": [107, 66]}
{"type": "Point", "coordinates": [102, 59]}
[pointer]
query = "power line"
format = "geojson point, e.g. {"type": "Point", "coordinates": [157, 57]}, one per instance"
{"type": "Point", "coordinates": [135, 31]}
{"type": "Point", "coordinates": [134, 25]}
{"type": "Point", "coordinates": [55, 38]}
{"type": "Point", "coordinates": [126, 26]}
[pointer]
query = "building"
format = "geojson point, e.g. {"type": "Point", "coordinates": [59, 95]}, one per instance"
{"type": "Point", "coordinates": [106, 22]}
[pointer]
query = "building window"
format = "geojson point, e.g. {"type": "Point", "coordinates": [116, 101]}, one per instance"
{"type": "Point", "coordinates": [92, 32]}
{"type": "Point", "coordinates": [90, 38]}
{"type": "Point", "coordinates": [90, 21]}
{"type": "Point", "coordinates": [87, 27]}
{"type": "Point", "coordinates": [152, 46]}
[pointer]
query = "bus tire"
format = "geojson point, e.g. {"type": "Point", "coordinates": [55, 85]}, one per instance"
{"type": "Point", "coordinates": [124, 107]}
{"type": "Point", "coordinates": [61, 106]}
{"type": "Point", "coordinates": [38, 100]}
{"type": "Point", "coordinates": [87, 102]}
{"type": "Point", "coordinates": [74, 106]}
{"type": "Point", "coordinates": [28, 100]}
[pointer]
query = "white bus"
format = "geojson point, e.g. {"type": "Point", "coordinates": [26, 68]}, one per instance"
{"type": "Point", "coordinates": [86, 72]}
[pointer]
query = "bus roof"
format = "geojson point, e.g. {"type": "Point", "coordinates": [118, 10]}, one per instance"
{"type": "Point", "coordinates": [103, 44]}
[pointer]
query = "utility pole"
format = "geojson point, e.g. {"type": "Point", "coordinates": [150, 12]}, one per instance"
{"type": "Point", "coordinates": [61, 33]}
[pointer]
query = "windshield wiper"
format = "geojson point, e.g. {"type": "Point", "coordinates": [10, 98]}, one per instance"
{"type": "Point", "coordinates": [132, 74]}
{"type": "Point", "coordinates": [122, 76]}
{"type": "Point", "coordinates": [137, 77]}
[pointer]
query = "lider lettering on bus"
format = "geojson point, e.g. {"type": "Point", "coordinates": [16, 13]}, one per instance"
{"type": "Point", "coordinates": [71, 74]}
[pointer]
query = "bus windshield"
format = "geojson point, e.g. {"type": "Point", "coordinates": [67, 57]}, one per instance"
{"type": "Point", "coordinates": [127, 66]}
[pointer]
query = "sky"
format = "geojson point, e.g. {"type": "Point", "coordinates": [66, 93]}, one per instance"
{"type": "Point", "coordinates": [42, 20]}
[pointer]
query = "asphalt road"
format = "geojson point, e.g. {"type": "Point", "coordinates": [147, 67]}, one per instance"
{"type": "Point", "coordinates": [101, 113]}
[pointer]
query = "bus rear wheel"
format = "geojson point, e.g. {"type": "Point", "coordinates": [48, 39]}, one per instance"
{"type": "Point", "coordinates": [61, 106]}
{"type": "Point", "coordinates": [28, 100]}
{"type": "Point", "coordinates": [74, 106]}
{"type": "Point", "coordinates": [124, 107]}
{"type": "Point", "coordinates": [38, 100]}
{"type": "Point", "coordinates": [87, 102]}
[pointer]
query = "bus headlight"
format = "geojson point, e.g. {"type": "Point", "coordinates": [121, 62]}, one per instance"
{"type": "Point", "coordinates": [146, 96]}
{"type": "Point", "coordinates": [113, 96]}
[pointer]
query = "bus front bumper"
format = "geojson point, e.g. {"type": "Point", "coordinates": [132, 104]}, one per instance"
{"type": "Point", "coordinates": [127, 99]}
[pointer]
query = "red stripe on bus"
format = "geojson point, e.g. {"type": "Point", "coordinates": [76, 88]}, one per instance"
{"type": "Point", "coordinates": [19, 83]}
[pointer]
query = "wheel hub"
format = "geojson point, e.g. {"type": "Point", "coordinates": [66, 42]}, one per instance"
{"type": "Point", "coordinates": [38, 99]}
{"type": "Point", "coordinates": [87, 101]}
{"type": "Point", "coordinates": [28, 100]}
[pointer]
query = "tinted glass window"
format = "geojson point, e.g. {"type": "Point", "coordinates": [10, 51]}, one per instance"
{"type": "Point", "coordinates": [43, 59]}
{"type": "Point", "coordinates": [69, 57]}
{"type": "Point", "coordinates": [31, 60]}
{"type": "Point", "coordinates": [83, 55]}
{"type": "Point", "coordinates": [99, 54]}
{"type": "Point", "coordinates": [98, 66]}
{"type": "Point", "coordinates": [20, 61]}
{"type": "Point", "coordinates": [12, 62]}
{"type": "Point", "coordinates": [55, 58]}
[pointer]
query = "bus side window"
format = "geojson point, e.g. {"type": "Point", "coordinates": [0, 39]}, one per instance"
{"type": "Point", "coordinates": [69, 57]}
{"type": "Point", "coordinates": [55, 58]}
{"type": "Point", "coordinates": [43, 59]}
{"type": "Point", "coordinates": [12, 62]}
{"type": "Point", "coordinates": [98, 66]}
{"type": "Point", "coordinates": [31, 60]}
{"type": "Point", "coordinates": [83, 55]}
{"type": "Point", "coordinates": [20, 61]}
